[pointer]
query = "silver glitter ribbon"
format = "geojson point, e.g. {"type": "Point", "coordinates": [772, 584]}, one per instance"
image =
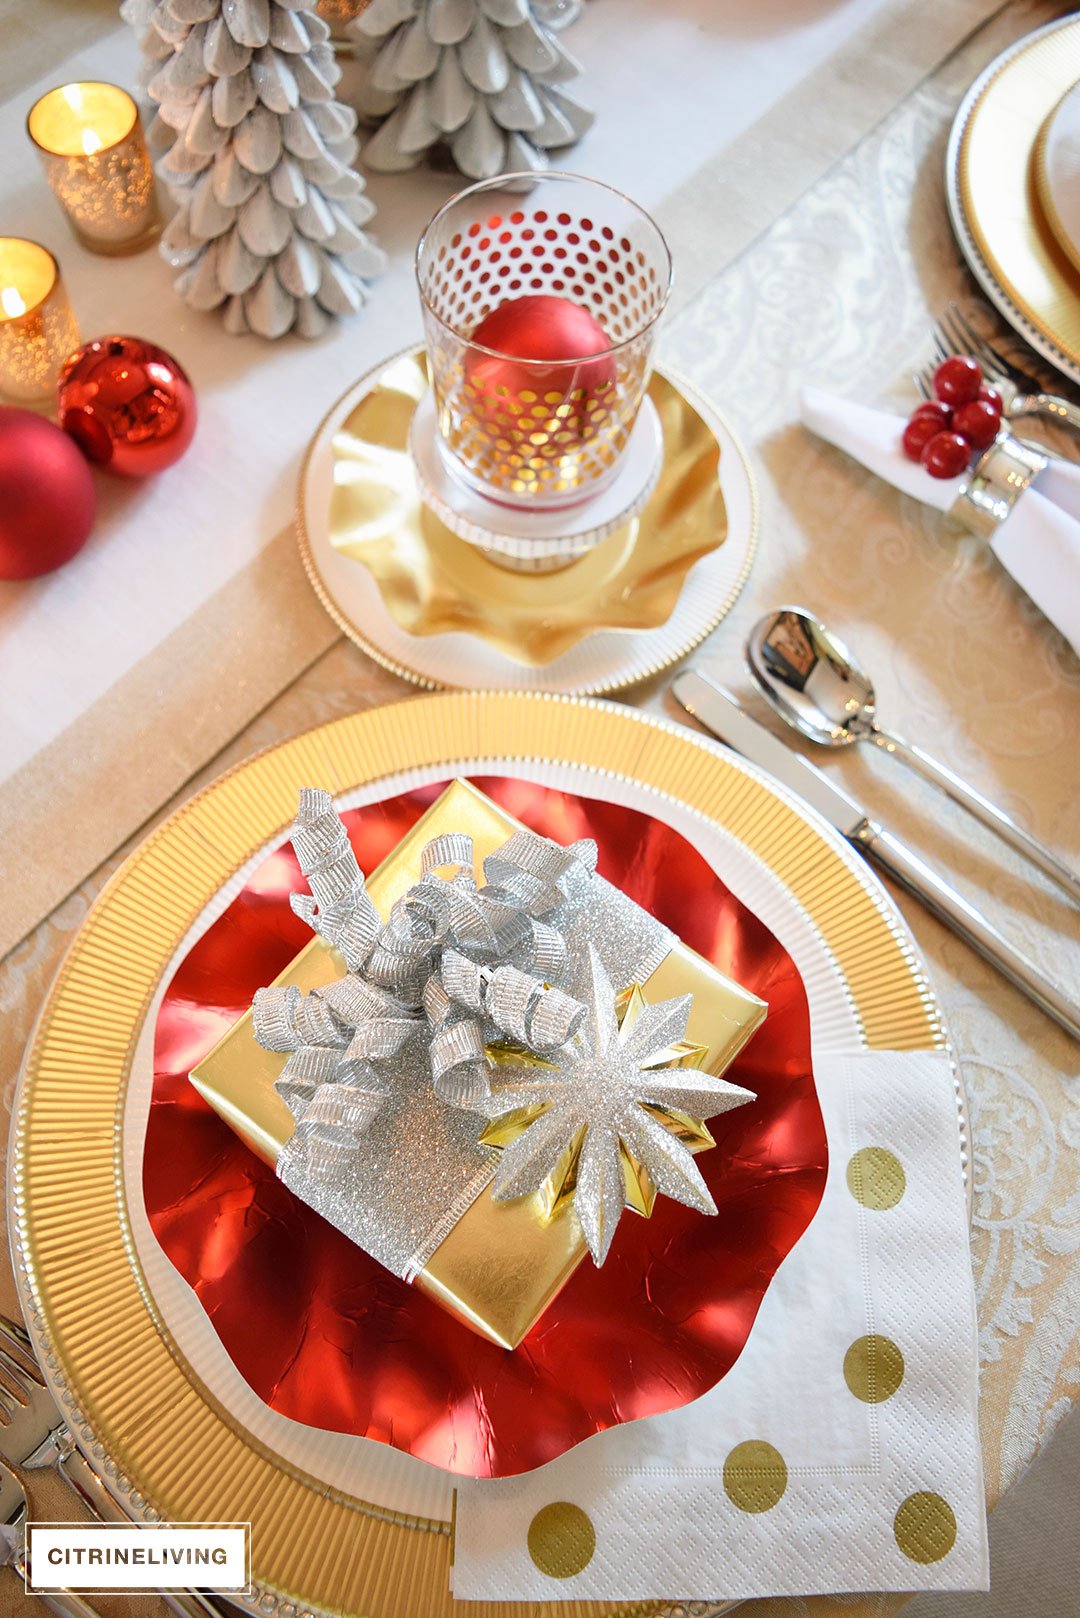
{"type": "Point", "coordinates": [385, 1069]}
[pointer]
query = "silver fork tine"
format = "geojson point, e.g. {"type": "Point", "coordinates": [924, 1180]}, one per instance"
{"type": "Point", "coordinates": [979, 345]}
{"type": "Point", "coordinates": [921, 382]}
{"type": "Point", "coordinates": [19, 1374]}
{"type": "Point", "coordinates": [958, 343]}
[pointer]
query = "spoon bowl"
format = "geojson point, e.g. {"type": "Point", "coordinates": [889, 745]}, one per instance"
{"type": "Point", "coordinates": [811, 679]}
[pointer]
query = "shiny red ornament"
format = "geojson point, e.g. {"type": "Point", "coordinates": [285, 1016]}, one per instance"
{"type": "Point", "coordinates": [326, 1336]}
{"type": "Point", "coordinates": [127, 404]}
{"type": "Point", "coordinates": [47, 497]}
{"type": "Point", "coordinates": [540, 327]}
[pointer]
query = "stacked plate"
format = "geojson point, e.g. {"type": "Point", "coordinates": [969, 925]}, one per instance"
{"type": "Point", "coordinates": [137, 1353]}
{"type": "Point", "coordinates": [433, 608]}
{"type": "Point", "coordinates": [1013, 178]}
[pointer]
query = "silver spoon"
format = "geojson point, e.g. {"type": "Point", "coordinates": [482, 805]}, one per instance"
{"type": "Point", "coordinates": [814, 683]}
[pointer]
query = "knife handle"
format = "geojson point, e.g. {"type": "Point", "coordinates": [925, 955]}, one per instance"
{"type": "Point", "coordinates": [967, 923]}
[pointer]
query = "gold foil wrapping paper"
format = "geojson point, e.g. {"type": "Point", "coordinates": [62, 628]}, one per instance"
{"type": "Point", "coordinates": [502, 1263]}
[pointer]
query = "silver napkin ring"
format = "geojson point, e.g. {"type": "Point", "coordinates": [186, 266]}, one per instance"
{"type": "Point", "coordinates": [995, 483]}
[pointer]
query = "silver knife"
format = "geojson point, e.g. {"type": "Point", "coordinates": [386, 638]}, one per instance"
{"type": "Point", "coordinates": [719, 712]}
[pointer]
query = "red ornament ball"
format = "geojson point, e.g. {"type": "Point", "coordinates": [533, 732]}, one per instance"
{"type": "Point", "coordinates": [127, 404]}
{"type": "Point", "coordinates": [47, 499]}
{"type": "Point", "coordinates": [958, 379]}
{"type": "Point", "coordinates": [978, 422]}
{"type": "Point", "coordinates": [547, 328]}
{"type": "Point", "coordinates": [946, 455]}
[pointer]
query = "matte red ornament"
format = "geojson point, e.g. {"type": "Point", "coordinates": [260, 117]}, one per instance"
{"type": "Point", "coordinates": [47, 498]}
{"type": "Point", "coordinates": [546, 328]}
{"type": "Point", "coordinates": [325, 1336]}
{"type": "Point", "coordinates": [127, 404]}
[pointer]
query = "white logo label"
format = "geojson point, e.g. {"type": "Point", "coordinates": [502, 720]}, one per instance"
{"type": "Point", "coordinates": [102, 1557]}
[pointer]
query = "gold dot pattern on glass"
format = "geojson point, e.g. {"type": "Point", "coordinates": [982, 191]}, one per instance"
{"type": "Point", "coordinates": [561, 1540]}
{"type": "Point", "coordinates": [876, 1178]}
{"type": "Point", "coordinates": [873, 1368]}
{"type": "Point", "coordinates": [755, 1476]}
{"type": "Point", "coordinates": [925, 1527]}
{"type": "Point", "coordinates": [551, 428]}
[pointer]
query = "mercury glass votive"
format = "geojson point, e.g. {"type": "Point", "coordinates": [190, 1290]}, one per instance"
{"type": "Point", "coordinates": [540, 317]}
{"type": "Point", "coordinates": [91, 142]}
{"type": "Point", "coordinates": [37, 327]}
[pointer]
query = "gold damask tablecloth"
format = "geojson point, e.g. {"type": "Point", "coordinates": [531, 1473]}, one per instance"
{"type": "Point", "coordinates": [817, 249]}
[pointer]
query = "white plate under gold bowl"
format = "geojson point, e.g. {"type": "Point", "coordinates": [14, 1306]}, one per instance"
{"type": "Point", "coordinates": [434, 609]}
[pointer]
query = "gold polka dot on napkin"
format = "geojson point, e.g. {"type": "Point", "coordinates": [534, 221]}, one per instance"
{"type": "Point", "coordinates": [561, 1540]}
{"type": "Point", "coordinates": [876, 1178]}
{"type": "Point", "coordinates": [755, 1476]}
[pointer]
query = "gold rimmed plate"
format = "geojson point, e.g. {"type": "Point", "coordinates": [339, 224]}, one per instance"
{"type": "Point", "coordinates": [436, 610]}
{"type": "Point", "coordinates": [174, 1445]}
{"type": "Point", "coordinates": [991, 181]}
{"type": "Point", "coordinates": [1057, 173]}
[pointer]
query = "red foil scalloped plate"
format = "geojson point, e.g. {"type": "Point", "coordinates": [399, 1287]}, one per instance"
{"type": "Point", "coordinates": [326, 1336]}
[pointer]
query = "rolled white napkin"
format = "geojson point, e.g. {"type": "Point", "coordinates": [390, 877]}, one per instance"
{"type": "Point", "coordinates": [1039, 543]}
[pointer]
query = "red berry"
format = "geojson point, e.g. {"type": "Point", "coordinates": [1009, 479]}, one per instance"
{"type": "Point", "coordinates": [918, 433]}
{"type": "Point", "coordinates": [958, 379]}
{"type": "Point", "coordinates": [936, 411]}
{"type": "Point", "coordinates": [946, 455]}
{"type": "Point", "coordinates": [978, 422]}
{"type": "Point", "coordinates": [991, 396]}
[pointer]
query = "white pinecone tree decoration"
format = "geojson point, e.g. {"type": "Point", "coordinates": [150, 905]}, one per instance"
{"type": "Point", "coordinates": [484, 78]}
{"type": "Point", "coordinates": [270, 212]}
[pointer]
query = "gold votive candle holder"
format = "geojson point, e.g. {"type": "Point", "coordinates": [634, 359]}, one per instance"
{"type": "Point", "coordinates": [37, 327]}
{"type": "Point", "coordinates": [91, 141]}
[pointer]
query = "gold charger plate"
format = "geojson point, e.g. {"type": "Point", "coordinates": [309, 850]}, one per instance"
{"type": "Point", "coordinates": [395, 578]}
{"type": "Point", "coordinates": [134, 1402]}
{"type": "Point", "coordinates": [991, 181]}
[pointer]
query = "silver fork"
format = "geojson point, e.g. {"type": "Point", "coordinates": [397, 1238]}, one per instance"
{"type": "Point", "coordinates": [13, 1547]}
{"type": "Point", "coordinates": [1021, 393]}
{"type": "Point", "coordinates": [33, 1434]}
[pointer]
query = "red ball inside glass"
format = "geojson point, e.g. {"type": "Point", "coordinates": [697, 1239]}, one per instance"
{"type": "Point", "coordinates": [47, 497]}
{"type": "Point", "coordinates": [550, 401]}
{"type": "Point", "coordinates": [127, 404]}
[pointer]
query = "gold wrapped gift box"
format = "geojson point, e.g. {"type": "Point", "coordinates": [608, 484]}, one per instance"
{"type": "Point", "coordinates": [503, 1262]}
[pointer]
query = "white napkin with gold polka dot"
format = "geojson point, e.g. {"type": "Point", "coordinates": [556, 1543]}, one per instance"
{"type": "Point", "coordinates": [841, 1452]}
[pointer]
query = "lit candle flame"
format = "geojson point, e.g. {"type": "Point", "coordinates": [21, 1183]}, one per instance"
{"type": "Point", "coordinates": [91, 143]}
{"type": "Point", "coordinates": [72, 94]}
{"type": "Point", "coordinates": [12, 302]}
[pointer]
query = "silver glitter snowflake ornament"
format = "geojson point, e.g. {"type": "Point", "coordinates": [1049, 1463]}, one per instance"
{"type": "Point", "coordinates": [612, 1116]}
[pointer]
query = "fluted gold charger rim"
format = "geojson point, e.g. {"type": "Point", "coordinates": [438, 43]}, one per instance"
{"type": "Point", "coordinates": [133, 1400]}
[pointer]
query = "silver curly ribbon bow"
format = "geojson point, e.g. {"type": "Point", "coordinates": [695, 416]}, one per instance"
{"type": "Point", "coordinates": [377, 1150]}
{"type": "Point", "coordinates": [454, 960]}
